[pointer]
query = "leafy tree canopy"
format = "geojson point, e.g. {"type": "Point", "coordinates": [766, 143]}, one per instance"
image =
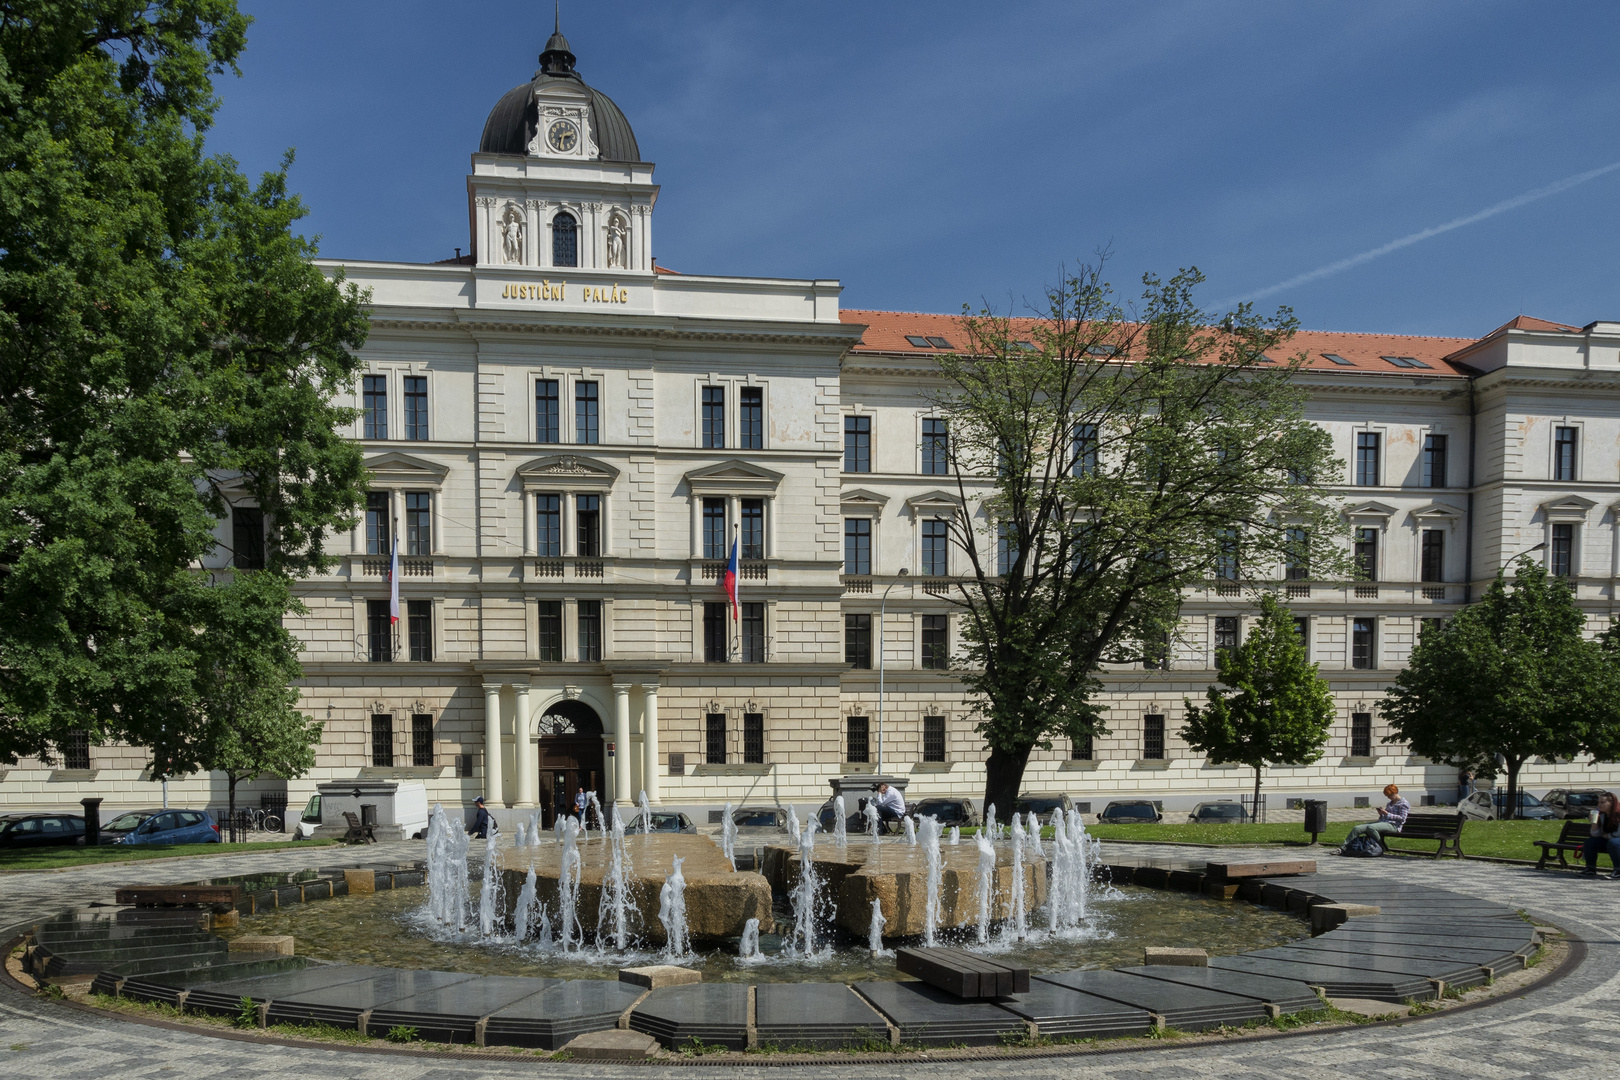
{"type": "Point", "coordinates": [166, 347]}
{"type": "Point", "coordinates": [1508, 679]}
{"type": "Point", "coordinates": [1276, 711]}
{"type": "Point", "coordinates": [1105, 464]}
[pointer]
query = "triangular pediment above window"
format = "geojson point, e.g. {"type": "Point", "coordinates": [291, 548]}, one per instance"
{"type": "Point", "coordinates": [732, 477]}
{"type": "Point", "coordinates": [566, 472]}
{"type": "Point", "coordinates": [395, 469]}
{"type": "Point", "coordinates": [1567, 508]}
{"type": "Point", "coordinates": [1369, 510]}
{"type": "Point", "coordinates": [1437, 513]}
{"type": "Point", "coordinates": [864, 497]}
{"type": "Point", "coordinates": [934, 503]}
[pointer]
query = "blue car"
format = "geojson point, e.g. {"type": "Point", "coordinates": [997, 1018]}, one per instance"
{"type": "Point", "coordinates": [161, 827]}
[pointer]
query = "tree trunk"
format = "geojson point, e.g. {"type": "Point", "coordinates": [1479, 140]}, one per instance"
{"type": "Point", "coordinates": [1512, 811]}
{"type": "Point", "coordinates": [1003, 773]}
{"type": "Point", "coordinates": [1255, 807]}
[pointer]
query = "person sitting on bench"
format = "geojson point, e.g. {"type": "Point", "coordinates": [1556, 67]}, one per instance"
{"type": "Point", "coordinates": [1605, 838]}
{"type": "Point", "coordinates": [891, 806]}
{"type": "Point", "coordinates": [1391, 816]}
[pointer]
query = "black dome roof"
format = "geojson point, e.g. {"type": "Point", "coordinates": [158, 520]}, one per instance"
{"type": "Point", "coordinates": [512, 122]}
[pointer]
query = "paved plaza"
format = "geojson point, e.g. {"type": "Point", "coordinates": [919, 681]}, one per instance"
{"type": "Point", "coordinates": [1567, 1029]}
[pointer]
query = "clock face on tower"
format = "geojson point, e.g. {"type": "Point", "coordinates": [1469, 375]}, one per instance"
{"type": "Point", "coordinates": [562, 136]}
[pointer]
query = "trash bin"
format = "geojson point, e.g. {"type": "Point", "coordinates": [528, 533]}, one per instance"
{"type": "Point", "coordinates": [1315, 817]}
{"type": "Point", "coordinates": [368, 813]}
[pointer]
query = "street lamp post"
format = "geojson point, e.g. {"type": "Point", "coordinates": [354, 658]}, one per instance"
{"type": "Point", "coordinates": [1537, 547]}
{"type": "Point", "coordinates": [882, 610]}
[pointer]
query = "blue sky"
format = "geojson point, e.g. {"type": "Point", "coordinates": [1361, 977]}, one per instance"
{"type": "Point", "coordinates": [938, 153]}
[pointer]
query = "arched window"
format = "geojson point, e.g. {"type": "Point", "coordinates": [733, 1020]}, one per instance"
{"type": "Point", "coordinates": [564, 240]}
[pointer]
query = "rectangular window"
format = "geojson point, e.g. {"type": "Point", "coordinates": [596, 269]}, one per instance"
{"type": "Point", "coordinates": [1156, 654]}
{"type": "Point", "coordinates": [1361, 734]}
{"type": "Point", "coordinates": [374, 406]}
{"type": "Point", "coordinates": [1366, 555]}
{"type": "Point", "coordinates": [377, 524]}
{"type": "Point", "coordinates": [551, 631]}
{"type": "Point", "coordinates": [1226, 557]}
{"type": "Point", "coordinates": [1084, 450]}
{"type": "Point", "coordinates": [1434, 555]}
{"type": "Point", "coordinates": [753, 738]}
{"type": "Point", "coordinates": [1362, 633]}
{"type": "Point", "coordinates": [1297, 560]}
{"type": "Point", "coordinates": [379, 632]}
{"type": "Point", "coordinates": [1429, 626]}
{"type": "Point", "coordinates": [1563, 550]}
{"type": "Point", "coordinates": [1434, 461]}
{"type": "Point", "coordinates": [714, 417]}
{"type": "Point", "coordinates": [419, 628]}
{"type": "Point", "coordinates": [935, 448]}
{"type": "Point", "coordinates": [1153, 737]}
{"type": "Point", "coordinates": [1565, 439]}
{"type": "Point", "coordinates": [857, 444]}
{"type": "Point", "coordinates": [1302, 627]}
{"type": "Point", "coordinates": [857, 741]}
{"type": "Point", "coordinates": [547, 412]}
{"type": "Point", "coordinates": [247, 537]}
{"type": "Point", "coordinates": [714, 529]}
{"type": "Point", "coordinates": [416, 419]}
{"type": "Point", "coordinates": [935, 558]}
{"type": "Point", "coordinates": [857, 545]}
{"type": "Point", "coordinates": [548, 526]}
{"type": "Point", "coordinates": [75, 747]}
{"type": "Point", "coordinates": [588, 518]}
{"type": "Point", "coordinates": [935, 643]}
{"type": "Point", "coordinates": [858, 640]}
{"type": "Point", "coordinates": [751, 418]}
{"type": "Point", "coordinates": [753, 529]}
{"type": "Point", "coordinates": [714, 738]}
{"type": "Point", "coordinates": [590, 631]}
{"type": "Point", "coordinates": [1082, 749]}
{"type": "Point", "coordinates": [716, 632]}
{"type": "Point", "coordinates": [586, 405]}
{"type": "Point", "coordinates": [418, 523]}
{"type": "Point", "coordinates": [421, 740]}
{"type": "Point", "coordinates": [382, 740]}
{"type": "Point", "coordinates": [1367, 445]}
{"type": "Point", "coordinates": [1226, 633]}
{"type": "Point", "coordinates": [933, 738]}
{"type": "Point", "coordinates": [1006, 547]}
{"type": "Point", "coordinates": [753, 633]}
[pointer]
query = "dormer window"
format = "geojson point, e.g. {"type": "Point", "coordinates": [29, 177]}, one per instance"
{"type": "Point", "coordinates": [564, 240]}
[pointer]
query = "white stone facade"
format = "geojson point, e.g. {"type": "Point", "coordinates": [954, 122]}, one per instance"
{"type": "Point", "coordinates": [506, 647]}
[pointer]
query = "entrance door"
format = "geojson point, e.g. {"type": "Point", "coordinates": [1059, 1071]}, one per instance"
{"type": "Point", "coordinates": [571, 757]}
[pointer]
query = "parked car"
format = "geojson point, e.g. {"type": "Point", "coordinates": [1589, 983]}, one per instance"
{"type": "Point", "coordinates": [161, 827]}
{"type": "Point", "coordinates": [1486, 806]}
{"type": "Point", "coordinates": [1044, 806]}
{"type": "Point", "coordinates": [1220, 812]}
{"type": "Point", "coordinates": [1577, 803]}
{"type": "Point", "coordinates": [40, 830]}
{"type": "Point", "coordinates": [1132, 812]}
{"type": "Point", "coordinates": [663, 821]}
{"type": "Point", "coordinates": [770, 821]}
{"type": "Point", "coordinates": [1478, 807]}
{"type": "Point", "coordinates": [947, 811]}
{"type": "Point", "coordinates": [309, 820]}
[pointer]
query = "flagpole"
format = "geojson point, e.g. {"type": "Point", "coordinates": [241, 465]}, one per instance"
{"type": "Point", "coordinates": [736, 590]}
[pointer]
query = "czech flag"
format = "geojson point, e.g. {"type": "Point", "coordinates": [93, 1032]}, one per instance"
{"type": "Point", "coordinates": [729, 583]}
{"type": "Point", "coordinates": [393, 578]}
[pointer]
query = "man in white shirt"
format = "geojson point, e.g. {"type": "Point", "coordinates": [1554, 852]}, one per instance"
{"type": "Point", "coordinates": [891, 806]}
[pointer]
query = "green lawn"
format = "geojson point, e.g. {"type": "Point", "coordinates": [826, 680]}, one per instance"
{"type": "Point", "coordinates": [1502, 839]}
{"type": "Point", "coordinates": [53, 858]}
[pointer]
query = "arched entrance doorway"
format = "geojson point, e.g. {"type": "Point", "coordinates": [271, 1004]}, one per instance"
{"type": "Point", "coordinates": [571, 757]}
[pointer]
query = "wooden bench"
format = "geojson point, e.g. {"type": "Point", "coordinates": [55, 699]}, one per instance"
{"type": "Point", "coordinates": [358, 833]}
{"type": "Point", "coordinates": [1572, 837]}
{"type": "Point", "coordinates": [1446, 827]}
{"type": "Point", "coordinates": [963, 974]}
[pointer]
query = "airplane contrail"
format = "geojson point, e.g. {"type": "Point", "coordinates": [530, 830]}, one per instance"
{"type": "Point", "coordinates": [1407, 241]}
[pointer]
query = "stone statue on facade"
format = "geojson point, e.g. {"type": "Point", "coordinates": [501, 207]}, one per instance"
{"type": "Point", "coordinates": [616, 243]}
{"type": "Point", "coordinates": [512, 233]}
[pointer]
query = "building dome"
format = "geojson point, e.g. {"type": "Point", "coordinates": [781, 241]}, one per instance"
{"type": "Point", "coordinates": [512, 122]}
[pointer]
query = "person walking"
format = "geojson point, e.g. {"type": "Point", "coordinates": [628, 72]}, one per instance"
{"type": "Point", "coordinates": [1391, 816]}
{"type": "Point", "coordinates": [1605, 837]}
{"type": "Point", "coordinates": [1465, 784]}
{"type": "Point", "coordinates": [580, 803]}
{"type": "Point", "coordinates": [482, 822]}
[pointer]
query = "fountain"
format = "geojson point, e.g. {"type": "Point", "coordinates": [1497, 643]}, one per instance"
{"type": "Point", "coordinates": [523, 913]}
{"type": "Point", "coordinates": [728, 836]}
{"type": "Point", "coordinates": [987, 869]}
{"type": "Point", "coordinates": [910, 831]}
{"type": "Point", "coordinates": [592, 804]}
{"type": "Point", "coordinates": [672, 914]}
{"type": "Point", "coordinates": [793, 824]}
{"type": "Point", "coordinates": [447, 870]}
{"type": "Point", "coordinates": [613, 908]}
{"type": "Point", "coordinates": [840, 835]}
{"type": "Point", "coordinates": [872, 820]}
{"type": "Point", "coordinates": [517, 835]}
{"type": "Point", "coordinates": [646, 814]}
{"type": "Point", "coordinates": [803, 942]}
{"type": "Point", "coordinates": [989, 821]}
{"type": "Point", "coordinates": [568, 889]}
{"type": "Point", "coordinates": [1034, 831]}
{"type": "Point", "coordinates": [534, 829]}
{"type": "Point", "coordinates": [748, 946]}
{"type": "Point", "coordinates": [930, 842]}
{"type": "Point", "coordinates": [489, 896]}
{"type": "Point", "coordinates": [1019, 923]}
{"type": "Point", "coordinates": [956, 835]}
{"type": "Point", "coordinates": [874, 937]}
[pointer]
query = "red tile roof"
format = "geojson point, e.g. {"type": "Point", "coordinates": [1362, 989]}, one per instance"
{"type": "Point", "coordinates": [1527, 322]}
{"type": "Point", "coordinates": [886, 332]}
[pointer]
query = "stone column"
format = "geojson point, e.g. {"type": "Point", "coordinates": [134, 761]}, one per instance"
{"type": "Point", "coordinates": [492, 745]}
{"type": "Point", "coordinates": [649, 741]}
{"type": "Point", "coordinates": [528, 781]}
{"type": "Point", "coordinates": [621, 746]}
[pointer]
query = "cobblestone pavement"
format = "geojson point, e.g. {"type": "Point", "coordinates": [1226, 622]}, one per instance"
{"type": "Point", "coordinates": [1566, 1030]}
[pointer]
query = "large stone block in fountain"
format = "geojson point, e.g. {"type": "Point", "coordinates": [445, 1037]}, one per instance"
{"type": "Point", "coordinates": [719, 900]}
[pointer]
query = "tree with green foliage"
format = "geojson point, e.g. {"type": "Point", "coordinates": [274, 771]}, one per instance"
{"type": "Point", "coordinates": [249, 724]}
{"type": "Point", "coordinates": [1103, 466]}
{"type": "Point", "coordinates": [1508, 679]}
{"type": "Point", "coordinates": [1276, 709]}
{"type": "Point", "coordinates": [167, 348]}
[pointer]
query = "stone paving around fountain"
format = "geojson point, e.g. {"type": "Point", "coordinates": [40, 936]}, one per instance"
{"type": "Point", "coordinates": [1565, 1028]}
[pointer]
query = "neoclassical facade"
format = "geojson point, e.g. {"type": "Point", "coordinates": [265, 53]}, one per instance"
{"type": "Point", "coordinates": [567, 440]}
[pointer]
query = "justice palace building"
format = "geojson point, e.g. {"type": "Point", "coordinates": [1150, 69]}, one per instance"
{"type": "Point", "coordinates": [569, 437]}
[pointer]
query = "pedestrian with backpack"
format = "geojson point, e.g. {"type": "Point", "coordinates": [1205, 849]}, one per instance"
{"type": "Point", "coordinates": [1391, 816]}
